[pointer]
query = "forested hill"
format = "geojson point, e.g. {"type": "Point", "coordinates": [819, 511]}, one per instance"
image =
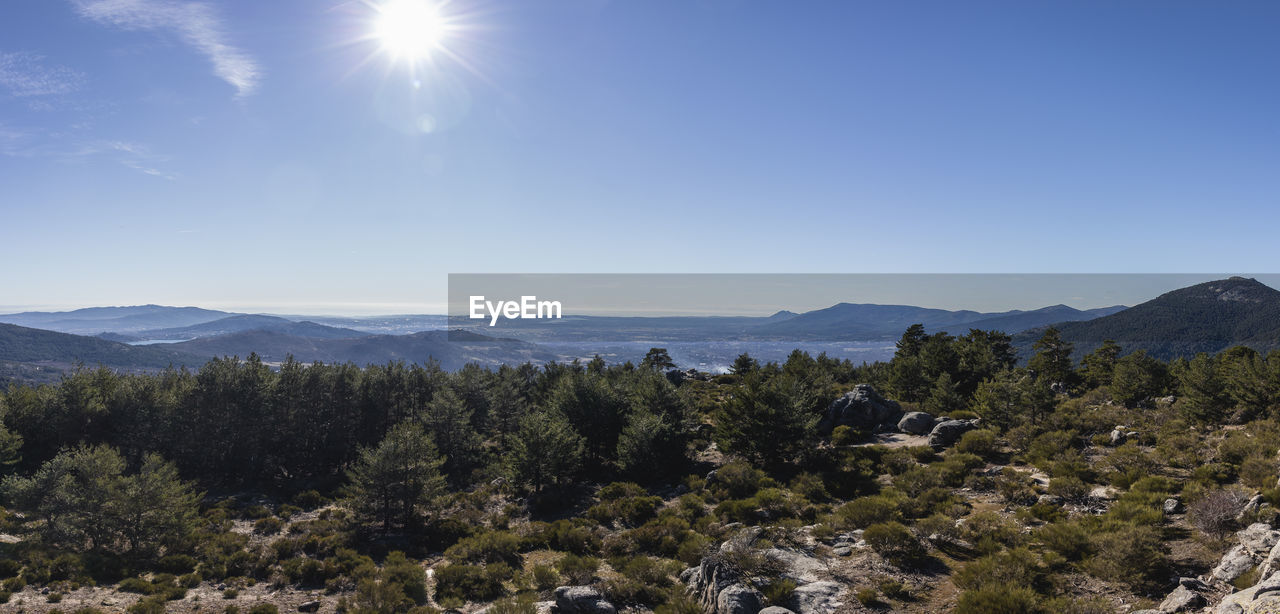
{"type": "Point", "coordinates": [1207, 317]}
{"type": "Point", "coordinates": [29, 345]}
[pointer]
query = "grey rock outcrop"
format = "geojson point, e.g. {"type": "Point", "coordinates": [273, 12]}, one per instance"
{"type": "Point", "coordinates": [583, 600]}
{"type": "Point", "coordinates": [1255, 545]}
{"type": "Point", "coordinates": [773, 609]}
{"type": "Point", "coordinates": [1182, 599]}
{"type": "Point", "coordinates": [738, 599]}
{"type": "Point", "coordinates": [948, 432]}
{"type": "Point", "coordinates": [1172, 506]}
{"type": "Point", "coordinates": [917, 423]}
{"type": "Point", "coordinates": [817, 598]}
{"type": "Point", "coordinates": [863, 409]}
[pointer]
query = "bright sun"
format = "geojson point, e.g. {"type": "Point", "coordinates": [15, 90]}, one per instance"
{"type": "Point", "coordinates": [410, 29]}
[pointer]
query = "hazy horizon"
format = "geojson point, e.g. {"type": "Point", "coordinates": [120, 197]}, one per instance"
{"type": "Point", "coordinates": [746, 294]}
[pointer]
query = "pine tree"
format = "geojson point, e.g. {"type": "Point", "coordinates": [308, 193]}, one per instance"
{"type": "Point", "coordinates": [395, 481]}
{"type": "Point", "coordinates": [765, 422]}
{"type": "Point", "coordinates": [544, 452]}
{"type": "Point", "coordinates": [447, 419]}
{"type": "Point", "coordinates": [1052, 361]}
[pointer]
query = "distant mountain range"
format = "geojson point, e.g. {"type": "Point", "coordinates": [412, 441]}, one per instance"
{"type": "Point", "coordinates": [30, 345]}
{"type": "Point", "coordinates": [240, 324]}
{"type": "Point", "coordinates": [122, 320]}
{"type": "Point", "coordinates": [841, 322]}
{"type": "Point", "coordinates": [1208, 317]}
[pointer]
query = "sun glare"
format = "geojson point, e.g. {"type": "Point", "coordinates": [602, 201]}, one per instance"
{"type": "Point", "coordinates": [410, 29]}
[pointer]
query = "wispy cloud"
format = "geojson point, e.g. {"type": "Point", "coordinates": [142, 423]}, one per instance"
{"type": "Point", "coordinates": [196, 23]}
{"type": "Point", "coordinates": [26, 144]}
{"type": "Point", "coordinates": [27, 76]}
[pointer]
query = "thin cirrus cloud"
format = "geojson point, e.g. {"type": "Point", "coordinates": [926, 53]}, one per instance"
{"type": "Point", "coordinates": [196, 23]}
{"type": "Point", "coordinates": [27, 76]}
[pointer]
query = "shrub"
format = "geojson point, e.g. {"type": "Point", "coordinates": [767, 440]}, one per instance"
{"type": "Point", "coordinates": [866, 511]}
{"type": "Point", "coordinates": [1133, 555]}
{"type": "Point", "coordinates": [981, 443]}
{"type": "Point", "coordinates": [643, 582]}
{"type": "Point", "coordinates": [996, 599]}
{"type": "Point", "coordinates": [894, 542]}
{"type": "Point", "coordinates": [1258, 472]}
{"type": "Point", "coordinates": [1068, 539]}
{"type": "Point", "coordinates": [149, 605]}
{"type": "Point", "coordinates": [867, 596]}
{"type": "Point", "coordinates": [779, 591]}
{"type": "Point", "coordinates": [309, 499]}
{"type": "Point", "coordinates": [1215, 513]}
{"type": "Point", "coordinates": [843, 435]}
{"type": "Point", "coordinates": [135, 585]}
{"type": "Point", "coordinates": [1017, 567]}
{"type": "Point", "coordinates": [268, 526]}
{"type": "Point", "coordinates": [544, 577]}
{"type": "Point", "coordinates": [487, 547]}
{"type": "Point", "coordinates": [470, 582]}
{"type": "Point", "coordinates": [264, 608]}
{"type": "Point", "coordinates": [1070, 488]}
{"type": "Point", "coordinates": [578, 569]}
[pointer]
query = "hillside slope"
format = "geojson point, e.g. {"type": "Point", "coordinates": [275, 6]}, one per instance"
{"type": "Point", "coordinates": [1207, 317]}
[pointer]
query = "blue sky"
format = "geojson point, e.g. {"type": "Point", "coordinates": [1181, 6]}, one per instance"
{"type": "Point", "coordinates": [251, 154]}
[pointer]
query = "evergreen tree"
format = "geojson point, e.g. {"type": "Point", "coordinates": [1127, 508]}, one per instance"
{"type": "Point", "coordinates": [766, 422]}
{"type": "Point", "coordinates": [744, 364]}
{"type": "Point", "coordinates": [10, 450]}
{"type": "Point", "coordinates": [1203, 390]}
{"type": "Point", "coordinates": [84, 501]}
{"type": "Point", "coordinates": [546, 451]}
{"type": "Point", "coordinates": [649, 446]}
{"type": "Point", "coordinates": [395, 481]}
{"type": "Point", "coordinates": [1137, 377]}
{"type": "Point", "coordinates": [1100, 364]}
{"type": "Point", "coordinates": [448, 420]}
{"type": "Point", "coordinates": [943, 398]}
{"type": "Point", "coordinates": [1052, 360]}
{"type": "Point", "coordinates": [657, 359]}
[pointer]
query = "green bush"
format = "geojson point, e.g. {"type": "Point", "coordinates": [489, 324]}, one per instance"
{"type": "Point", "coordinates": [779, 592]}
{"type": "Point", "coordinates": [487, 547]}
{"type": "Point", "coordinates": [1017, 567]}
{"type": "Point", "coordinates": [545, 577]}
{"type": "Point", "coordinates": [894, 542]}
{"type": "Point", "coordinates": [1068, 539]}
{"type": "Point", "coordinates": [135, 585]}
{"type": "Point", "coordinates": [980, 443]}
{"type": "Point", "coordinates": [997, 599]}
{"type": "Point", "coordinates": [268, 526]}
{"type": "Point", "coordinates": [578, 569]}
{"type": "Point", "coordinates": [470, 582]}
{"type": "Point", "coordinates": [866, 511]}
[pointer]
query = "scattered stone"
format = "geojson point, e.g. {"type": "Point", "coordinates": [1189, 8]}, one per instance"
{"type": "Point", "coordinates": [583, 600]}
{"type": "Point", "coordinates": [773, 609]}
{"type": "Point", "coordinates": [1182, 599]}
{"type": "Point", "coordinates": [1172, 506]}
{"type": "Point", "coordinates": [309, 606]}
{"type": "Point", "coordinates": [1249, 508]}
{"type": "Point", "coordinates": [1234, 564]}
{"type": "Point", "coordinates": [738, 599]}
{"type": "Point", "coordinates": [948, 432]}
{"type": "Point", "coordinates": [862, 409]}
{"type": "Point", "coordinates": [843, 550]}
{"type": "Point", "coordinates": [917, 423]}
{"type": "Point", "coordinates": [816, 598]}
